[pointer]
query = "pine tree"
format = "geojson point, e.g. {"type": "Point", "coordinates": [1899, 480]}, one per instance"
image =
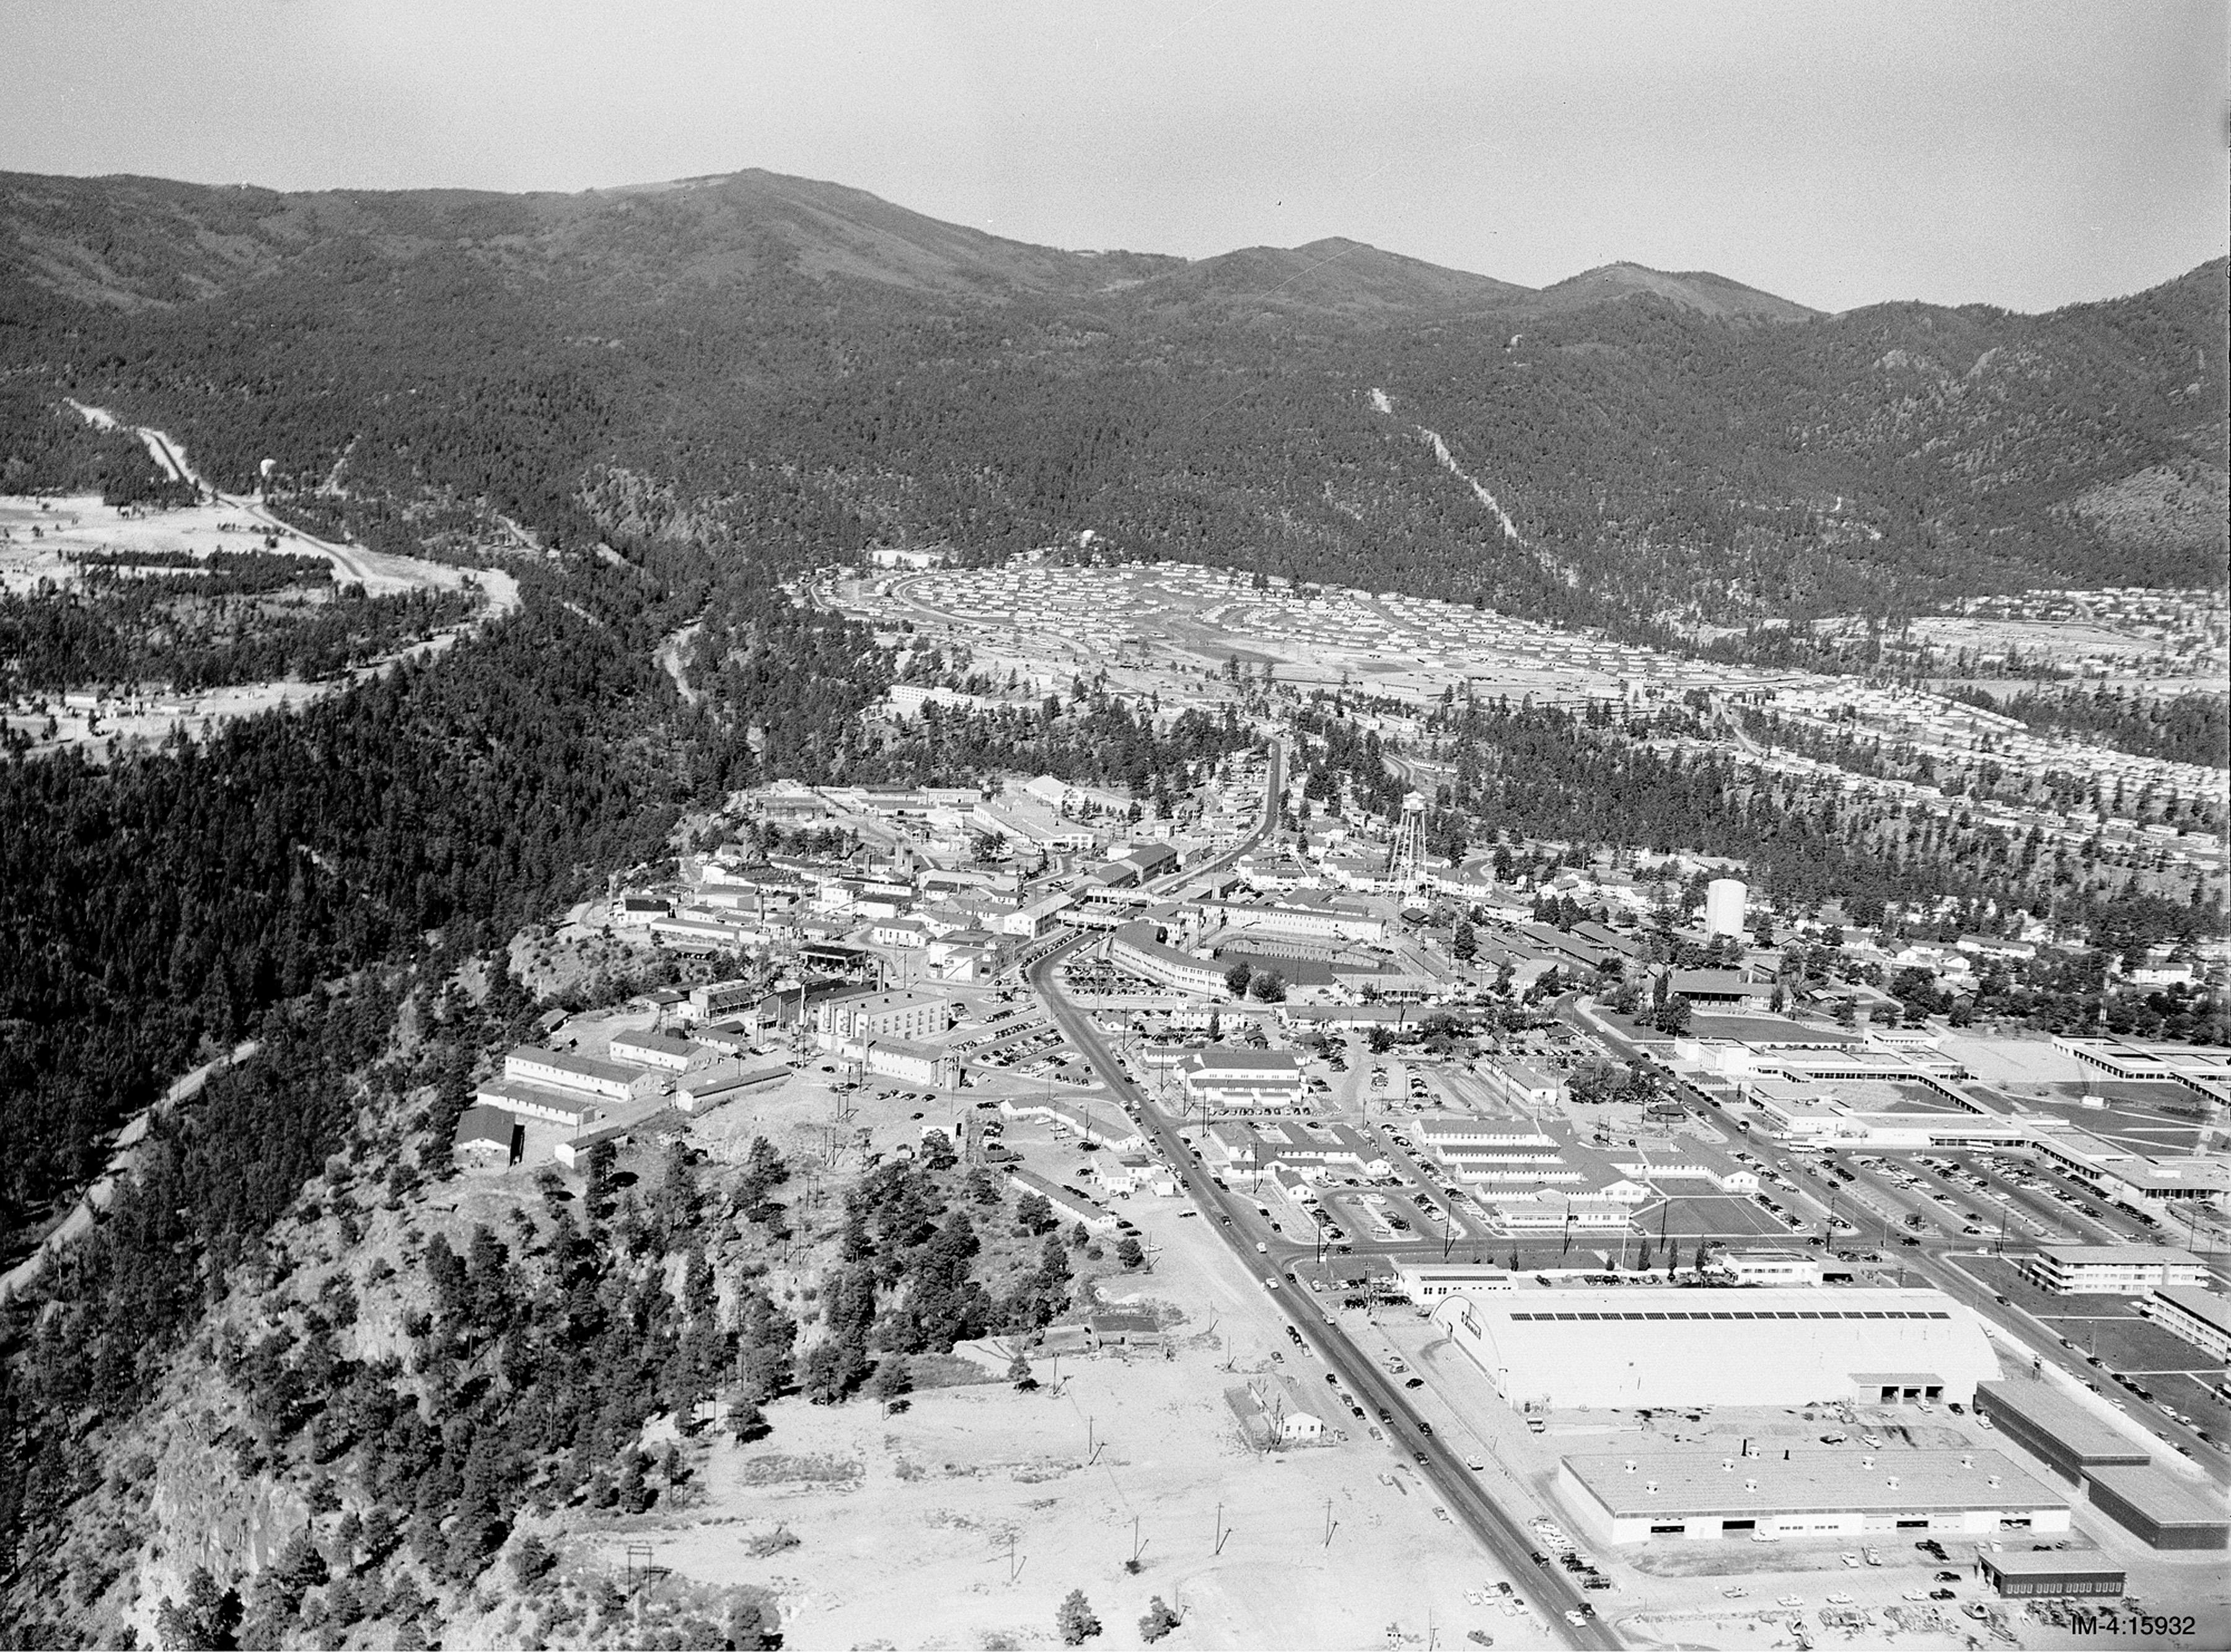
{"type": "Point", "coordinates": [1075, 1620]}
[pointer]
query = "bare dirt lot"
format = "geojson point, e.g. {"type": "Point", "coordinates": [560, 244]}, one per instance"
{"type": "Point", "coordinates": [965, 1520]}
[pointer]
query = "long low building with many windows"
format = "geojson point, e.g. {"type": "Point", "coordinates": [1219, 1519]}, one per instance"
{"type": "Point", "coordinates": [1138, 947]}
{"type": "Point", "coordinates": [2201, 1318]}
{"type": "Point", "coordinates": [1807, 1492]}
{"type": "Point", "coordinates": [1770, 1345]}
{"type": "Point", "coordinates": [2112, 1270]}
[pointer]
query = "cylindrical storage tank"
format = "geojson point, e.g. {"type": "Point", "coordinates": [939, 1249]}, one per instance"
{"type": "Point", "coordinates": [1723, 906]}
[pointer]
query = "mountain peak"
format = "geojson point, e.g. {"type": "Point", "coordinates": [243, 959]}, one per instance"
{"type": "Point", "coordinates": [1699, 290]}
{"type": "Point", "coordinates": [1334, 273]}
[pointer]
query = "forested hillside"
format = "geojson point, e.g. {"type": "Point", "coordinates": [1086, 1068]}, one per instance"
{"type": "Point", "coordinates": [804, 370]}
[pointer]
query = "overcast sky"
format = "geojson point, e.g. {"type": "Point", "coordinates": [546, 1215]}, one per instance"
{"type": "Point", "coordinates": [2026, 154]}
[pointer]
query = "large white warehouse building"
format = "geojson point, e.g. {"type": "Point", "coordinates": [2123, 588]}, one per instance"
{"type": "Point", "coordinates": [1644, 1346]}
{"type": "Point", "coordinates": [1807, 1492]}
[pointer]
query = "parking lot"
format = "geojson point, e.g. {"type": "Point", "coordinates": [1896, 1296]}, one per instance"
{"type": "Point", "coordinates": [2117, 1342]}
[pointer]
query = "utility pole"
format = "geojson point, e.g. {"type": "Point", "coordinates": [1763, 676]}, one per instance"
{"type": "Point", "coordinates": [1331, 1524]}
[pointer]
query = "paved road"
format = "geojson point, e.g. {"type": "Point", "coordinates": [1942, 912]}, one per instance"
{"type": "Point", "coordinates": [1549, 1591]}
{"type": "Point", "coordinates": [1498, 1530]}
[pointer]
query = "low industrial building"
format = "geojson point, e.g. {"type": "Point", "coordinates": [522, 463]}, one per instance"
{"type": "Point", "coordinates": [2055, 1427]}
{"type": "Point", "coordinates": [2200, 1069]}
{"type": "Point", "coordinates": [1423, 1281]}
{"type": "Point", "coordinates": [1101, 1130]}
{"type": "Point", "coordinates": [1768, 1267]}
{"type": "Point", "coordinates": [1635, 1346]}
{"type": "Point", "coordinates": [2020, 1574]}
{"type": "Point", "coordinates": [1312, 1151]}
{"type": "Point", "coordinates": [1804, 1492]}
{"type": "Point", "coordinates": [563, 1070]}
{"type": "Point", "coordinates": [655, 1049]}
{"type": "Point", "coordinates": [716, 998]}
{"type": "Point", "coordinates": [2198, 1316]}
{"type": "Point", "coordinates": [2112, 1270]}
{"type": "Point", "coordinates": [1243, 1080]}
{"type": "Point", "coordinates": [2161, 1512]}
{"type": "Point", "coordinates": [1068, 1205]}
{"type": "Point", "coordinates": [2127, 1177]}
{"type": "Point", "coordinates": [725, 1081]}
{"type": "Point", "coordinates": [569, 1109]}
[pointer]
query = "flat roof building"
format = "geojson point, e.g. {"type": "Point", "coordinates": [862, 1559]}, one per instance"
{"type": "Point", "coordinates": [2161, 1512]}
{"type": "Point", "coordinates": [1803, 1492]}
{"type": "Point", "coordinates": [2112, 1270]}
{"type": "Point", "coordinates": [848, 1019]}
{"type": "Point", "coordinates": [1769, 1266]}
{"type": "Point", "coordinates": [2055, 1427]}
{"type": "Point", "coordinates": [1772, 1346]}
{"type": "Point", "coordinates": [2030, 1573]}
{"type": "Point", "coordinates": [1431, 1281]}
{"type": "Point", "coordinates": [2198, 1316]}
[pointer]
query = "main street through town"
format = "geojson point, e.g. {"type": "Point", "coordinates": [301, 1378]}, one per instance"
{"type": "Point", "coordinates": [1496, 1530]}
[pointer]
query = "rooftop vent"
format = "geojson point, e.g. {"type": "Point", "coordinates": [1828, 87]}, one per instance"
{"type": "Point", "coordinates": [1630, 1465]}
{"type": "Point", "coordinates": [1750, 1484]}
{"type": "Point", "coordinates": [1967, 1460]}
{"type": "Point", "coordinates": [1893, 1482]}
{"type": "Point", "coordinates": [1866, 1462]}
{"type": "Point", "coordinates": [1993, 1481]}
{"type": "Point", "coordinates": [1650, 1485]}
{"type": "Point", "coordinates": [1727, 1462]}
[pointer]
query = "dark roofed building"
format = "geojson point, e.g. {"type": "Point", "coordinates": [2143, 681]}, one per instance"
{"type": "Point", "coordinates": [2055, 1428]}
{"type": "Point", "coordinates": [488, 1139]}
{"type": "Point", "coordinates": [1715, 989]}
{"type": "Point", "coordinates": [2017, 1573]}
{"type": "Point", "coordinates": [2162, 1512]}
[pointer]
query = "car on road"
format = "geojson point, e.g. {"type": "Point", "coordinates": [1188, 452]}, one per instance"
{"type": "Point", "coordinates": [1419, 1455]}
{"type": "Point", "coordinates": [1577, 1620]}
{"type": "Point", "coordinates": [1414, 1382]}
{"type": "Point", "coordinates": [1539, 1559]}
{"type": "Point", "coordinates": [1425, 1427]}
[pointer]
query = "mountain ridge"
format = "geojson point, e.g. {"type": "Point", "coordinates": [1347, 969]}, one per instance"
{"type": "Point", "coordinates": [827, 228]}
{"type": "Point", "coordinates": [802, 370]}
